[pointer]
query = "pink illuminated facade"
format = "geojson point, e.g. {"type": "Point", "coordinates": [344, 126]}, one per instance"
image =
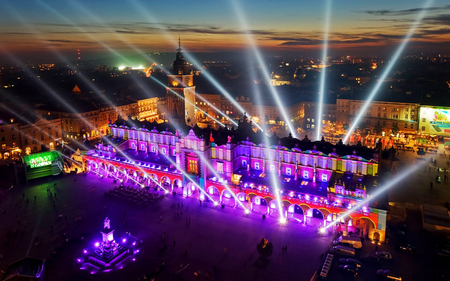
{"type": "Point", "coordinates": [314, 187]}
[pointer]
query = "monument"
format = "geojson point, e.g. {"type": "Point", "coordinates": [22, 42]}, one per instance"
{"type": "Point", "coordinates": [107, 255]}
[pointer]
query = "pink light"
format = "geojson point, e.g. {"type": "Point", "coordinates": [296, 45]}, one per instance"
{"type": "Point", "coordinates": [134, 243]}
{"type": "Point", "coordinates": [134, 259]}
{"type": "Point", "coordinates": [78, 260]}
{"type": "Point", "coordinates": [92, 272]}
{"type": "Point", "coordinates": [97, 244]}
{"type": "Point", "coordinates": [85, 251]}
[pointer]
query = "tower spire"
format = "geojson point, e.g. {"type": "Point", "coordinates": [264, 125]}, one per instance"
{"type": "Point", "coordinates": [179, 43]}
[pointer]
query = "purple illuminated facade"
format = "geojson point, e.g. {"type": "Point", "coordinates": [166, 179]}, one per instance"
{"type": "Point", "coordinates": [315, 187]}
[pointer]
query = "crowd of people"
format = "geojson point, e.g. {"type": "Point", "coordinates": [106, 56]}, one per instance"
{"type": "Point", "coordinates": [135, 195]}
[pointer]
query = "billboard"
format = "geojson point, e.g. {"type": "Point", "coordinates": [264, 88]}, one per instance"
{"type": "Point", "coordinates": [43, 164]}
{"type": "Point", "coordinates": [39, 159]}
{"type": "Point", "coordinates": [434, 121]}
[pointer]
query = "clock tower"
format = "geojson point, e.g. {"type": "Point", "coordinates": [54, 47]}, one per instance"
{"type": "Point", "coordinates": [180, 90]}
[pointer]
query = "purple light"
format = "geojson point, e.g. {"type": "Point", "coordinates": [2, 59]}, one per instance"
{"type": "Point", "coordinates": [96, 244]}
{"type": "Point", "coordinates": [124, 240]}
{"type": "Point", "coordinates": [134, 259]}
{"type": "Point", "coordinates": [81, 268]}
{"type": "Point", "coordinates": [78, 260]}
{"type": "Point", "coordinates": [85, 251]}
{"type": "Point", "coordinates": [137, 251]}
{"type": "Point", "coordinates": [92, 272]}
{"type": "Point", "coordinates": [134, 243]}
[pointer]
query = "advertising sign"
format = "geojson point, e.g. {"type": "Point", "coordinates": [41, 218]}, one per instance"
{"type": "Point", "coordinates": [39, 159]}
{"type": "Point", "coordinates": [435, 121]}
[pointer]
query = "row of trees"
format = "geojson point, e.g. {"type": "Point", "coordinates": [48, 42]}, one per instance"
{"type": "Point", "coordinates": [377, 128]}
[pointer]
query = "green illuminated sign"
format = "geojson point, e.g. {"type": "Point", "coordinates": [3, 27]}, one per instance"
{"type": "Point", "coordinates": [39, 159]}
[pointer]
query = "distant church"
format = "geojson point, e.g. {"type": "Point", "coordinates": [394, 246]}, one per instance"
{"type": "Point", "coordinates": [181, 85]}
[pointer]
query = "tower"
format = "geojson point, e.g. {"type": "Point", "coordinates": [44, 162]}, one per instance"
{"type": "Point", "coordinates": [180, 90]}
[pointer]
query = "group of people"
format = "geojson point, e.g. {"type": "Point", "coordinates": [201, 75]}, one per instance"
{"type": "Point", "coordinates": [134, 195]}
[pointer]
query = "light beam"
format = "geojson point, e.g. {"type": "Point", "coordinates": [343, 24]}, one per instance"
{"type": "Point", "coordinates": [323, 70]}
{"type": "Point", "coordinates": [388, 69]}
{"type": "Point", "coordinates": [380, 190]}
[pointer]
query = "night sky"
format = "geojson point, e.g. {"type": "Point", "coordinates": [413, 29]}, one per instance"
{"type": "Point", "coordinates": [132, 26]}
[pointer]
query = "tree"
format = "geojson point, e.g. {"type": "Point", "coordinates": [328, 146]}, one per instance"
{"type": "Point", "coordinates": [345, 126]}
{"type": "Point", "coordinates": [378, 129]}
{"type": "Point", "coordinates": [395, 129]}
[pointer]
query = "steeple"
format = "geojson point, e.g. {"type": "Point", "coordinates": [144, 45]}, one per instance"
{"type": "Point", "coordinates": [180, 66]}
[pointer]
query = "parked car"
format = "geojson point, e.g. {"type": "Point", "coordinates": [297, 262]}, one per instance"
{"type": "Point", "coordinates": [345, 251]}
{"type": "Point", "coordinates": [407, 248]}
{"type": "Point", "coordinates": [389, 275]}
{"type": "Point", "coordinates": [350, 261]}
{"type": "Point", "coordinates": [443, 253]}
{"type": "Point", "coordinates": [371, 258]}
{"type": "Point", "coordinates": [384, 255]}
{"type": "Point", "coordinates": [347, 268]}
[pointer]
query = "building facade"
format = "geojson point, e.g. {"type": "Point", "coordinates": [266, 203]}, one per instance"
{"type": "Point", "coordinates": [42, 132]}
{"type": "Point", "coordinates": [387, 116]}
{"type": "Point", "coordinates": [315, 188]}
{"type": "Point", "coordinates": [10, 139]}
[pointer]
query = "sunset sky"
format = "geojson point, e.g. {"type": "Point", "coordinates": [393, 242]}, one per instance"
{"type": "Point", "coordinates": [130, 26]}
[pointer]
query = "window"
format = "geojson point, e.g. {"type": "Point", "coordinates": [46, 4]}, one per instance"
{"type": "Point", "coordinates": [412, 126]}
{"type": "Point", "coordinates": [142, 146]}
{"type": "Point", "coordinates": [153, 149]}
{"type": "Point", "coordinates": [272, 168]}
{"type": "Point", "coordinates": [424, 119]}
{"type": "Point", "coordinates": [42, 137]}
{"type": "Point", "coordinates": [305, 174]}
{"type": "Point", "coordinates": [288, 171]}
{"type": "Point", "coordinates": [244, 164]}
{"type": "Point", "coordinates": [3, 138]}
{"type": "Point", "coordinates": [133, 145]}
{"type": "Point", "coordinates": [256, 165]}
{"type": "Point", "coordinates": [163, 150]}
{"type": "Point", "coordinates": [406, 125]}
{"type": "Point", "coordinates": [56, 134]}
{"type": "Point", "coordinates": [3, 146]}
{"type": "Point", "coordinates": [26, 141]}
{"type": "Point", "coordinates": [220, 167]}
{"type": "Point", "coordinates": [324, 177]}
{"type": "Point", "coordinates": [192, 168]}
{"type": "Point", "coordinates": [423, 128]}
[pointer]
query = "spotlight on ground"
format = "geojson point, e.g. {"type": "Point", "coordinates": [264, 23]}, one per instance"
{"type": "Point", "coordinates": [322, 230]}
{"type": "Point", "coordinates": [283, 220]}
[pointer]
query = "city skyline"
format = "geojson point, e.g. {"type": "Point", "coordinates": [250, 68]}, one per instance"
{"type": "Point", "coordinates": [286, 27]}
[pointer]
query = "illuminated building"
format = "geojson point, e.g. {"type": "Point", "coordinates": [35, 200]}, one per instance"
{"type": "Point", "coordinates": [386, 112]}
{"type": "Point", "coordinates": [180, 91]}
{"type": "Point", "coordinates": [9, 139]}
{"type": "Point", "coordinates": [316, 185]}
{"type": "Point", "coordinates": [42, 132]}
